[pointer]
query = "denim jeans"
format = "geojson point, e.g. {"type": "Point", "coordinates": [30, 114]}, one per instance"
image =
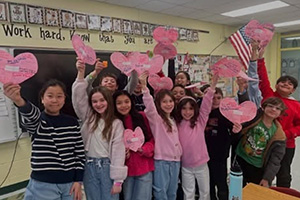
{"type": "Point", "coordinates": [37, 190]}
{"type": "Point", "coordinates": [138, 187]}
{"type": "Point", "coordinates": [165, 179]}
{"type": "Point", "coordinates": [97, 182]}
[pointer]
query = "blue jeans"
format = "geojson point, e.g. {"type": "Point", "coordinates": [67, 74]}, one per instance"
{"type": "Point", "coordinates": [138, 187]}
{"type": "Point", "coordinates": [37, 190]}
{"type": "Point", "coordinates": [165, 179]}
{"type": "Point", "coordinates": [96, 180]}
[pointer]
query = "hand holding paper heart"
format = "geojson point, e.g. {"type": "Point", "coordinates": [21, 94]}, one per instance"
{"type": "Point", "coordinates": [164, 36]}
{"type": "Point", "coordinates": [158, 83]}
{"type": "Point", "coordinates": [136, 61]}
{"type": "Point", "coordinates": [227, 67]}
{"type": "Point", "coordinates": [134, 139]}
{"type": "Point", "coordinates": [237, 113]}
{"type": "Point", "coordinates": [245, 76]}
{"type": "Point", "coordinates": [18, 69]}
{"type": "Point", "coordinates": [85, 53]}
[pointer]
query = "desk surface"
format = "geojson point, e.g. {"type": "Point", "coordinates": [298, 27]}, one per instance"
{"type": "Point", "coordinates": [256, 192]}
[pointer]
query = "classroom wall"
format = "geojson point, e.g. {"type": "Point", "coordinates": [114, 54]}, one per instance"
{"type": "Point", "coordinates": [207, 42]}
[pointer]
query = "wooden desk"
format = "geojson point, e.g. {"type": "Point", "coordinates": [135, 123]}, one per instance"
{"type": "Point", "coordinates": [256, 192]}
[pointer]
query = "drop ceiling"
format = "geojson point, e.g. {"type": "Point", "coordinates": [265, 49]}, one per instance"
{"type": "Point", "coordinates": [210, 10]}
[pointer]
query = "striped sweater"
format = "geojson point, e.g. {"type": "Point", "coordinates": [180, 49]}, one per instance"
{"type": "Point", "coordinates": [57, 149]}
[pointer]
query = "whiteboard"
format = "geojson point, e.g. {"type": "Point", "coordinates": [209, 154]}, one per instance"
{"type": "Point", "coordinates": [9, 123]}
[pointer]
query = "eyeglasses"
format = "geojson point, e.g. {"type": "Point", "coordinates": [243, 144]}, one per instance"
{"type": "Point", "coordinates": [272, 107]}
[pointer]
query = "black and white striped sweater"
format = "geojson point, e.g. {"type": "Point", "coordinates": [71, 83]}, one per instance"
{"type": "Point", "coordinates": [57, 149]}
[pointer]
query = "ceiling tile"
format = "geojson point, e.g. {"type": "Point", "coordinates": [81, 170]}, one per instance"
{"type": "Point", "coordinates": [179, 11]}
{"type": "Point", "coordinates": [155, 6]}
{"type": "Point", "coordinates": [197, 4]}
{"type": "Point", "coordinates": [127, 3]}
{"type": "Point", "coordinates": [199, 14]}
{"type": "Point", "coordinates": [177, 2]}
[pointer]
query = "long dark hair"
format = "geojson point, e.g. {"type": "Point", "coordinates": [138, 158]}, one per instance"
{"type": "Point", "coordinates": [180, 105]}
{"type": "Point", "coordinates": [158, 98]}
{"type": "Point", "coordinates": [137, 118]}
{"type": "Point", "coordinates": [108, 115]}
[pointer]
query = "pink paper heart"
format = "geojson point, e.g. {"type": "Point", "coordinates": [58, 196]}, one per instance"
{"type": "Point", "coordinates": [137, 61]}
{"type": "Point", "coordinates": [259, 32]}
{"type": "Point", "coordinates": [153, 65]}
{"type": "Point", "coordinates": [134, 139]}
{"type": "Point", "coordinates": [18, 69]}
{"type": "Point", "coordinates": [166, 51]}
{"type": "Point", "coordinates": [245, 76]}
{"type": "Point", "coordinates": [84, 52]}
{"type": "Point", "coordinates": [158, 83]}
{"type": "Point", "coordinates": [227, 67]}
{"type": "Point", "coordinates": [164, 36]}
{"type": "Point", "coordinates": [124, 63]}
{"type": "Point", "coordinates": [237, 113]}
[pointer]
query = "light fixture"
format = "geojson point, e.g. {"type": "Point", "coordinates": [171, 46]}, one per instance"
{"type": "Point", "coordinates": [290, 23]}
{"type": "Point", "coordinates": [255, 9]}
{"type": "Point", "coordinates": [292, 38]}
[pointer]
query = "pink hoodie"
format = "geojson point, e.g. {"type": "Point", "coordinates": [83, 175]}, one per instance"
{"type": "Point", "coordinates": [192, 139]}
{"type": "Point", "coordinates": [167, 145]}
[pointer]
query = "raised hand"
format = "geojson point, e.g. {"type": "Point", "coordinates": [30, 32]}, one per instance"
{"type": "Point", "coordinates": [12, 91]}
{"type": "Point", "coordinates": [255, 49]}
{"type": "Point", "coordinates": [236, 128]}
{"type": "Point", "coordinates": [80, 65]}
{"type": "Point", "coordinates": [143, 79]}
{"type": "Point", "coordinates": [214, 81]}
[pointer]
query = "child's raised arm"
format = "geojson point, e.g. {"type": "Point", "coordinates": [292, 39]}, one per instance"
{"type": "Point", "coordinates": [99, 66]}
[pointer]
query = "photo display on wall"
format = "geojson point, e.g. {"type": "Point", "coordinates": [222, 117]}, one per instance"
{"type": "Point", "coordinates": [17, 13]}
{"type": "Point", "coordinates": [81, 21]}
{"type": "Point", "coordinates": [3, 11]}
{"type": "Point", "coordinates": [67, 19]}
{"type": "Point", "coordinates": [51, 17]}
{"type": "Point", "coordinates": [94, 22]}
{"type": "Point", "coordinates": [35, 15]}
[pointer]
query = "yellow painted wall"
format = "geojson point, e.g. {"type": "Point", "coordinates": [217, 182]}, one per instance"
{"type": "Point", "coordinates": [21, 167]}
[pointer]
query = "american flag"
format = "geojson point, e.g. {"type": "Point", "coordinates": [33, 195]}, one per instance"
{"type": "Point", "coordinates": [242, 45]}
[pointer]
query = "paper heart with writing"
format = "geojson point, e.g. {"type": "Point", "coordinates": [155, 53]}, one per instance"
{"type": "Point", "coordinates": [245, 76]}
{"type": "Point", "coordinates": [84, 52]}
{"type": "Point", "coordinates": [134, 139]}
{"type": "Point", "coordinates": [235, 113]}
{"type": "Point", "coordinates": [158, 83]}
{"type": "Point", "coordinates": [166, 51]}
{"type": "Point", "coordinates": [137, 61]}
{"type": "Point", "coordinates": [227, 67]}
{"type": "Point", "coordinates": [259, 32]}
{"type": "Point", "coordinates": [17, 69]}
{"type": "Point", "coordinates": [124, 63]}
{"type": "Point", "coordinates": [165, 36]}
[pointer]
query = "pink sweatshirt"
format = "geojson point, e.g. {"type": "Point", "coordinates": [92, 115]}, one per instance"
{"type": "Point", "coordinates": [192, 139]}
{"type": "Point", "coordinates": [167, 146]}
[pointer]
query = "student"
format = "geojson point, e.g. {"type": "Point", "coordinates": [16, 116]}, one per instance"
{"type": "Point", "coordinates": [167, 150]}
{"type": "Point", "coordinates": [219, 135]}
{"type": "Point", "coordinates": [290, 121]}
{"type": "Point", "coordinates": [57, 158]}
{"type": "Point", "coordinates": [138, 184]}
{"type": "Point", "coordinates": [110, 80]}
{"type": "Point", "coordinates": [103, 138]}
{"type": "Point", "coordinates": [178, 92]}
{"type": "Point", "coordinates": [262, 145]}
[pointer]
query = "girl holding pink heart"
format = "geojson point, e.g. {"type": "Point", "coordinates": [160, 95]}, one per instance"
{"type": "Point", "coordinates": [167, 150]}
{"type": "Point", "coordinates": [102, 135]}
{"type": "Point", "coordinates": [57, 160]}
{"type": "Point", "coordinates": [140, 163]}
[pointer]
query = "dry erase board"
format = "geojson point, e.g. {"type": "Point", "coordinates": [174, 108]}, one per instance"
{"type": "Point", "coordinates": [59, 65]}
